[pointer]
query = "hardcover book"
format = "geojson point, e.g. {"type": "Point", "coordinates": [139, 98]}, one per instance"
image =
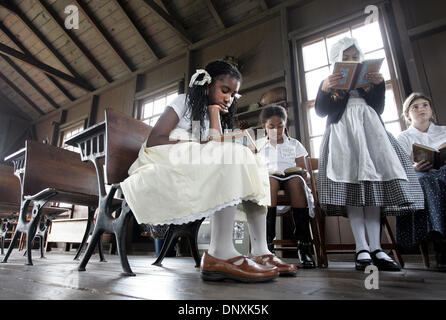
{"type": "Point", "coordinates": [435, 156]}
{"type": "Point", "coordinates": [355, 73]}
{"type": "Point", "coordinates": [239, 136]}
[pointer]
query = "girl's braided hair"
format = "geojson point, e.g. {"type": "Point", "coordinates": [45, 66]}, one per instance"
{"type": "Point", "coordinates": [197, 97]}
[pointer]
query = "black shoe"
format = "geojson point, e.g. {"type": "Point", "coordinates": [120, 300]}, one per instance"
{"type": "Point", "coordinates": [440, 255]}
{"type": "Point", "coordinates": [384, 264]}
{"type": "Point", "coordinates": [363, 263]}
{"type": "Point", "coordinates": [305, 259]}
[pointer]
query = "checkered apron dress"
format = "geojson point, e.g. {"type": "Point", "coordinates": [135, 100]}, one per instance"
{"type": "Point", "coordinates": [395, 197]}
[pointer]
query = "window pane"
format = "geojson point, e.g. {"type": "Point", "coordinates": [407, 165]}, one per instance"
{"type": "Point", "coordinates": [315, 145]}
{"type": "Point", "coordinates": [394, 128]}
{"type": "Point", "coordinates": [170, 97]}
{"type": "Point", "coordinates": [335, 38]}
{"type": "Point", "coordinates": [314, 55]}
{"type": "Point", "coordinates": [313, 79]}
{"type": "Point", "coordinates": [390, 110]}
{"type": "Point", "coordinates": [159, 105]}
{"type": "Point", "coordinates": [68, 134]}
{"type": "Point", "coordinates": [154, 120]}
{"type": "Point", "coordinates": [385, 67]}
{"type": "Point", "coordinates": [317, 124]}
{"type": "Point", "coordinates": [369, 37]}
{"type": "Point", "coordinates": [147, 109]}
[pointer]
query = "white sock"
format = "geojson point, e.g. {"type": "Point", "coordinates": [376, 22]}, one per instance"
{"type": "Point", "coordinates": [356, 218]}
{"type": "Point", "coordinates": [257, 228]}
{"type": "Point", "coordinates": [373, 224]}
{"type": "Point", "coordinates": [222, 229]}
{"type": "Point", "coordinates": [372, 216]}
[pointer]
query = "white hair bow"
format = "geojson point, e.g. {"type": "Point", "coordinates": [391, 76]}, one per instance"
{"type": "Point", "coordinates": [206, 79]}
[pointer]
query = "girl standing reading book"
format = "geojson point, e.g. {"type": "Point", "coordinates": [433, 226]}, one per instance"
{"type": "Point", "coordinates": [431, 223]}
{"type": "Point", "coordinates": [363, 171]}
{"type": "Point", "coordinates": [281, 152]}
{"type": "Point", "coordinates": [164, 189]}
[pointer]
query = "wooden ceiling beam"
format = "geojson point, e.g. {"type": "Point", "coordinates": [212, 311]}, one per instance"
{"type": "Point", "coordinates": [173, 23]}
{"type": "Point", "coordinates": [30, 81]}
{"type": "Point", "coordinates": [19, 44]}
{"type": "Point", "coordinates": [105, 35]}
{"type": "Point", "coordinates": [127, 14]}
{"type": "Point", "coordinates": [215, 14]}
{"type": "Point", "coordinates": [33, 62]}
{"type": "Point", "coordinates": [16, 10]}
{"type": "Point", "coordinates": [93, 62]}
{"type": "Point", "coordinates": [21, 93]}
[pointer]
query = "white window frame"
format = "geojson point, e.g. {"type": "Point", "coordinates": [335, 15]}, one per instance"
{"type": "Point", "coordinates": [153, 117]}
{"type": "Point", "coordinates": [68, 130]}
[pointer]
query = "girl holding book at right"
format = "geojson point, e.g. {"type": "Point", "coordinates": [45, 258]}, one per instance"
{"type": "Point", "coordinates": [282, 152]}
{"type": "Point", "coordinates": [431, 223]}
{"type": "Point", "coordinates": [363, 171]}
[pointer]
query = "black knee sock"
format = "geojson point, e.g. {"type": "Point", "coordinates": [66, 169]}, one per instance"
{"type": "Point", "coordinates": [301, 220]}
{"type": "Point", "coordinates": [271, 224]}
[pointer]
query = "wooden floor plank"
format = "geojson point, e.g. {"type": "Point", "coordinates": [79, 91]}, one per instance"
{"type": "Point", "coordinates": [56, 277]}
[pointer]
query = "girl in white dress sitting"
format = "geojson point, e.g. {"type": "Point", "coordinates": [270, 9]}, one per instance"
{"type": "Point", "coordinates": [431, 223]}
{"type": "Point", "coordinates": [363, 171]}
{"type": "Point", "coordinates": [181, 175]}
{"type": "Point", "coordinates": [281, 152]}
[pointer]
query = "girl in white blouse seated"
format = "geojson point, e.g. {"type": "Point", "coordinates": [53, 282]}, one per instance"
{"type": "Point", "coordinates": [417, 111]}
{"type": "Point", "coordinates": [281, 152]}
{"type": "Point", "coordinates": [181, 175]}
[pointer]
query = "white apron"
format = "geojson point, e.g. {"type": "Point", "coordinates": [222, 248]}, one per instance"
{"type": "Point", "coordinates": [359, 148]}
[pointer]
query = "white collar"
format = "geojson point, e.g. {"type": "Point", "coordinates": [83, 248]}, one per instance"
{"type": "Point", "coordinates": [431, 129]}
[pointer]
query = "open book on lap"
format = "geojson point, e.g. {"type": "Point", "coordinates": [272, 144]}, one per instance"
{"type": "Point", "coordinates": [239, 136]}
{"type": "Point", "coordinates": [355, 73]}
{"type": "Point", "coordinates": [286, 174]}
{"type": "Point", "coordinates": [435, 156]}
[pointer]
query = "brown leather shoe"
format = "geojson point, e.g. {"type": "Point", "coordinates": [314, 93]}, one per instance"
{"type": "Point", "coordinates": [285, 269]}
{"type": "Point", "coordinates": [213, 269]}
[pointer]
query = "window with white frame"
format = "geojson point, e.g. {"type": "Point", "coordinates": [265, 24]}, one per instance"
{"type": "Point", "coordinates": [152, 107]}
{"type": "Point", "coordinates": [315, 67]}
{"type": "Point", "coordinates": [68, 132]}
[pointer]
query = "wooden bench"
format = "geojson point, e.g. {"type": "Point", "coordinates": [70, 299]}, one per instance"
{"type": "Point", "coordinates": [10, 199]}
{"type": "Point", "coordinates": [47, 173]}
{"type": "Point", "coordinates": [116, 142]}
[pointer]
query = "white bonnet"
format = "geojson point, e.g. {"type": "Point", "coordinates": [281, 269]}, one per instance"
{"type": "Point", "coordinates": [339, 47]}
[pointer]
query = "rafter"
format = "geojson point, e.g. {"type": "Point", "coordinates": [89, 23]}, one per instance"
{"type": "Point", "coordinates": [93, 62]}
{"type": "Point", "coordinates": [215, 14]}
{"type": "Point", "coordinates": [19, 44]}
{"type": "Point", "coordinates": [33, 62]}
{"type": "Point", "coordinates": [173, 23]}
{"type": "Point", "coordinates": [16, 10]}
{"type": "Point", "coordinates": [21, 93]}
{"type": "Point", "coordinates": [105, 36]}
{"type": "Point", "coordinates": [30, 81]}
{"type": "Point", "coordinates": [149, 46]}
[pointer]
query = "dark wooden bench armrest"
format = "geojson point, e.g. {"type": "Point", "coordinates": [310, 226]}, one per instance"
{"type": "Point", "coordinates": [124, 139]}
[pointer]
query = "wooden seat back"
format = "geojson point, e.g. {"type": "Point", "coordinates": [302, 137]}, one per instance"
{"type": "Point", "coordinates": [124, 139]}
{"type": "Point", "coordinates": [9, 189]}
{"type": "Point", "coordinates": [47, 166]}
